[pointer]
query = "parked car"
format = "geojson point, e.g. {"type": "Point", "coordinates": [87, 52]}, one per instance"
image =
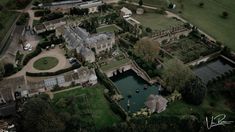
{"type": "Point", "coordinates": [28, 46]}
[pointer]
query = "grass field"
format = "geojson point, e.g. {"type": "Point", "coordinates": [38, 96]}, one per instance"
{"type": "Point", "coordinates": [219, 100]}
{"type": "Point", "coordinates": [208, 18]}
{"type": "Point", "coordinates": [6, 20]}
{"type": "Point", "coordinates": [102, 114]}
{"type": "Point", "coordinates": [114, 63]}
{"type": "Point", "coordinates": [108, 28]}
{"type": "Point", "coordinates": [45, 63]}
{"type": "Point", "coordinates": [214, 105]}
{"type": "Point", "coordinates": [156, 21]}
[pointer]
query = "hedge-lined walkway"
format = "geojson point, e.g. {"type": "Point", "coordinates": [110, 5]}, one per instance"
{"type": "Point", "coordinates": [57, 53]}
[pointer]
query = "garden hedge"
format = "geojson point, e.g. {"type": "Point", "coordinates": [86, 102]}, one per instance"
{"type": "Point", "coordinates": [44, 74]}
{"type": "Point", "coordinates": [107, 82]}
{"type": "Point", "coordinates": [31, 55]}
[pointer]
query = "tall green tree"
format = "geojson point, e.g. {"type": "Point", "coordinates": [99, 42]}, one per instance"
{"type": "Point", "coordinates": [140, 3]}
{"type": "Point", "coordinates": [176, 74]}
{"type": "Point", "coordinates": [38, 116]}
{"type": "Point", "coordinates": [147, 49]}
{"type": "Point", "coordinates": [194, 91]}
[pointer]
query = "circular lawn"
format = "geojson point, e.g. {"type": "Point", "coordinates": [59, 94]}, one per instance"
{"type": "Point", "coordinates": [45, 63]}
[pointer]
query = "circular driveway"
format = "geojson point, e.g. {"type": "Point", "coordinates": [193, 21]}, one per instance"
{"type": "Point", "coordinates": [57, 53]}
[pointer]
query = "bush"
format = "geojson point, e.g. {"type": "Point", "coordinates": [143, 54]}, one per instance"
{"type": "Point", "coordinates": [9, 69]}
{"type": "Point", "coordinates": [201, 4]}
{"type": "Point", "coordinates": [224, 14]}
{"type": "Point", "coordinates": [29, 56]}
{"type": "Point", "coordinates": [23, 19]}
{"type": "Point", "coordinates": [51, 16]}
{"type": "Point", "coordinates": [149, 30]}
{"type": "Point", "coordinates": [41, 13]}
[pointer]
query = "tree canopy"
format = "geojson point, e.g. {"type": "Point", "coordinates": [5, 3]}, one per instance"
{"type": "Point", "coordinates": [176, 74]}
{"type": "Point", "coordinates": [194, 91]}
{"type": "Point", "coordinates": [147, 49]}
{"type": "Point", "coordinates": [38, 115]}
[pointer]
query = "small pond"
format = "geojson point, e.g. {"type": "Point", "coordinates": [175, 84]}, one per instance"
{"type": "Point", "coordinates": [213, 69]}
{"type": "Point", "coordinates": [128, 82]}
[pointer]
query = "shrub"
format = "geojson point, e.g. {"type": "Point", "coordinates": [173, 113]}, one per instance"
{"type": "Point", "coordinates": [51, 16]}
{"type": "Point", "coordinates": [224, 14]}
{"type": "Point", "coordinates": [9, 69]}
{"type": "Point", "coordinates": [149, 30]}
{"type": "Point", "coordinates": [201, 4]}
{"type": "Point", "coordinates": [23, 19]}
{"type": "Point", "coordinates": [41, 13]}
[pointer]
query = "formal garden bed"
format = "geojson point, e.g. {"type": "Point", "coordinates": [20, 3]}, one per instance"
{"type": "Point", "coordinates": [188, 49]}
{"type": "Point", "coordinates": [45, 63]}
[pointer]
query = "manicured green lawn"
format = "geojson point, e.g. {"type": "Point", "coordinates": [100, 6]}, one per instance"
{"type": "Point", "coordinates": [154, 2]}
{"type": "Point", "coordinates": [181, 108]}
{"type": "Point", "coordinates": [108, 28]}
{"type": "Point", "coordinates": [114, 63]}
{"type": "Point", "coordinates": [98, 105]}
{"type": "Point", "coordinates": [209, 18]}
{"type": "Point", "coordinates": [156, 21]}
{"type": "Point", "coordinates": [45, 63]}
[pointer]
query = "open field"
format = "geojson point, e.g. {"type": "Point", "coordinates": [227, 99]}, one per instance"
{"type": "Point", "coordinates": [108, 28]}
{"type": "Point", "coordinates": [96, 103]}
{"type": "Point", "coordinates": [181, 108]}
{"type": "Point", "coordinates": [208, 18]}
{"type": "Point", "coordinates": [45, 63]}
{"type": "Point", "coordinates": [6, 20]}
{"type": "Point", "coordinates": [156, 21]}
{"type": "Point", "coordinates": [156, 3]}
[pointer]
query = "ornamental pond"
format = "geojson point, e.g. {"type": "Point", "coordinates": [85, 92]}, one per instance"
{"type": "Point", "coordinates": [134, 89]}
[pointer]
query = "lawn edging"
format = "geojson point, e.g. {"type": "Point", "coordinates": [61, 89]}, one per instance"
{"type": "Point", "coordinates": [45, 74]}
